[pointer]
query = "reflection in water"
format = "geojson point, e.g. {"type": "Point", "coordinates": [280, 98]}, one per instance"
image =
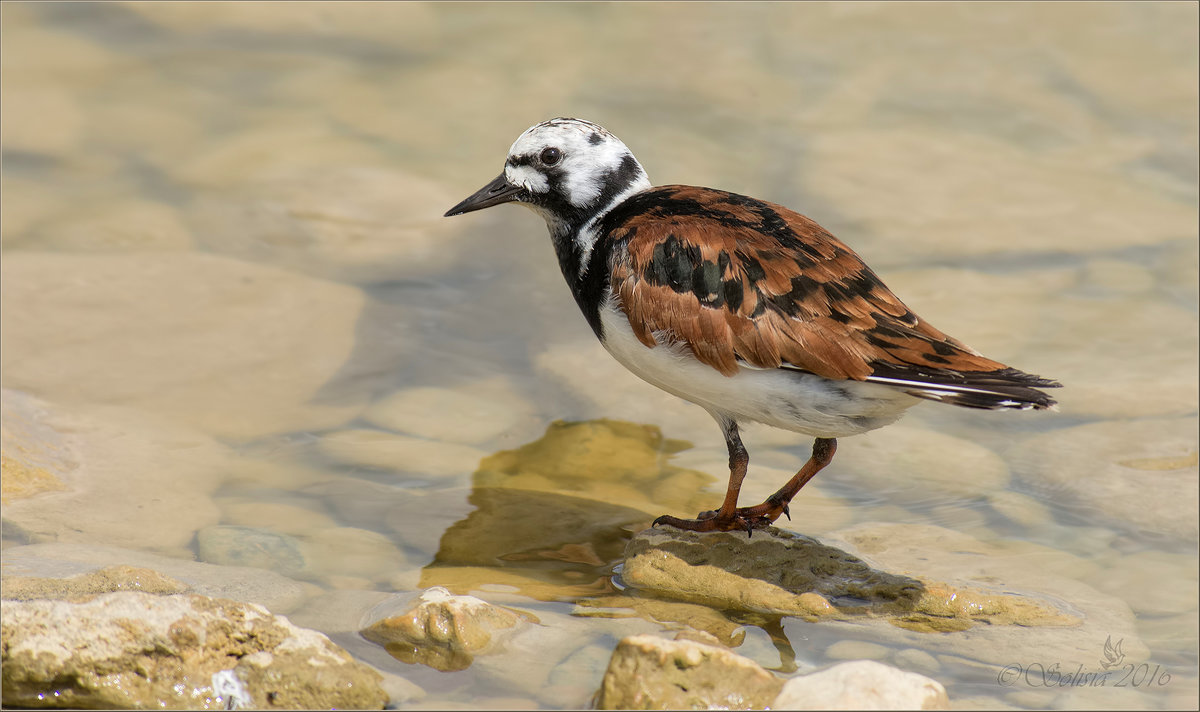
{"type": "Point", "coordinates": [553, 516]}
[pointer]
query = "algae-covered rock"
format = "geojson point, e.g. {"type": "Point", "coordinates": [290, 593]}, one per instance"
{"type": "Point", "coordinates": [135, 650]}
{"type": "Point", "coordinates": [442, 631]}
{"type": "Point", "coordinates": [687, 617]}
{"type": "Point", "coordinates": [862, 685]}
{"type": "Point", "coordinates": [650, 673]}
{"type": "Point", "coordinates": [790, 574]}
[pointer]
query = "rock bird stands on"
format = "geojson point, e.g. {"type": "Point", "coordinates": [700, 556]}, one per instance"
{"type": "Point", "coordinates": [743, 307]}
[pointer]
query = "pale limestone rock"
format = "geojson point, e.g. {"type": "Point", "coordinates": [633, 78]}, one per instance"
{"type": "Point", "coordinates": [207, 340]}
{"type": "Point", "coordinates": [650, 673]}
{"type": "Point", "coordinates": [1136, 474]}
{"type": "Point", "coordinates": [137, 650]}
{"type": "Point", "coordinates": [862, 685]}
{"type": "Point", "coordinates": [106, 474]}
{"type": "Point", "coordinates": [443, 631]}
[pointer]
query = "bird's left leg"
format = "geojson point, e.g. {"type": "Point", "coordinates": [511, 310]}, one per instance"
{"type": "Point", "coordinates": [728, 517]}
{"type": "Point", "coordinates": [777, 504]}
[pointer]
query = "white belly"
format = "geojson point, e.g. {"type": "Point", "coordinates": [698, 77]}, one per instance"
{"type": "Point", "coordinates": [800, 402]}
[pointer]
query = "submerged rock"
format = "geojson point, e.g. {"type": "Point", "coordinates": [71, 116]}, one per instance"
{"type": "Point", "coordinates": [1140, 475]}
{"type": "Point", "coordinates": [41, 570]}
{"type": "Point", "coordinates": [443, 631]}
{"type": "Point", "coordinates": [651, 673]}
{"type": "Point", "coordinates": [862, 685]}
{"type": "Point", "coordinates": [106, 474]}
{"type": "Point", "coordinates": [779, 572]}
{"type": "Point", "coordinates": [201, 339]}
{"type": "Point", "coordinates": [135, 650]}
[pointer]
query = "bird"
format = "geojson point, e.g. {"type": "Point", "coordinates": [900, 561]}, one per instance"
{"type": "Point", "coordinates": [744, 307]}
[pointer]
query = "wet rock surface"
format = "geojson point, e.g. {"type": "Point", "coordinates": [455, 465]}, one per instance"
{"type": "Point", "coordinates": [790, 574]}
{"type": "Point", "coordinates": [442, 631]}
{"type": "Point", "coordinates": [647, 672]}
{"type": "Point", "coordinates": [862, 685]}
{"type": "Point", "coordinates": [137, 650]}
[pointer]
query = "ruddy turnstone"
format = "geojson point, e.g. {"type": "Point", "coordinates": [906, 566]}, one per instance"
{"type": "Point", "coordinates": [743, 307]}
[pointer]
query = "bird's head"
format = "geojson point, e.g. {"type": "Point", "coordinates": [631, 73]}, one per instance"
{"type": "Point", "coordinates": [567, 170]}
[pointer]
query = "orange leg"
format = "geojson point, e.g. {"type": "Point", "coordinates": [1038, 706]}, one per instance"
{"type": "Point", "coordinates": [730, 517]}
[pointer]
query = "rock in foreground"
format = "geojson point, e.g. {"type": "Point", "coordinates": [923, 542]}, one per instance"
{"type": "Point", "coordinates": [650, 673]}
{"type": "Point", "coordinates": [862, 685]}
{"type": "Point", "coordinates": [135, 650]}
{"type": "Point", "coordinates": [442, 631]}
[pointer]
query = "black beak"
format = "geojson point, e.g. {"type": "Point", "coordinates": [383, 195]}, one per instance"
{"type": "Point", "coordinates": [494, 193]}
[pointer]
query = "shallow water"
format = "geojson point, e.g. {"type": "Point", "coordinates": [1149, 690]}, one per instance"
{"type": "Point", "coordinates": [222, 241]}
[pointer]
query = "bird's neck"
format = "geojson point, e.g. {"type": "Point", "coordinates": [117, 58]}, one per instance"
{"type": "Point", "coordinates": [583, 252]}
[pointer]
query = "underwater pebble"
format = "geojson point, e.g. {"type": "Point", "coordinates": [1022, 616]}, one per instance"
{"type": "Point", "coordinates": [1137, 474]}
{"type": "Point", "coordinates": [1021, 508]}
{"type": "Point", "coordinates": [472, 414]}
{"type": "Point", "coordinates": [205, 340]}
{"type": "Point", "coordinates": [915, 658]}
{"type": "Point", "coordinates": [227, 545]}
{"type": "Point", "coordinates": [275, 516]}
{"type": "Point", "coordinates": [1153, 583]}
{"type": "Point", "coordinates": [857, 650]}
{"type": "Point", "coordinates": [353, 557]}
{"type": "Point", "coordinates": [402, 453]}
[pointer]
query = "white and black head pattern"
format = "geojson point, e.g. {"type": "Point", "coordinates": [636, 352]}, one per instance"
{"type": "Point", "coordinates": [569, 170]}
{"type": "Point", "coordinates": [572, 168]}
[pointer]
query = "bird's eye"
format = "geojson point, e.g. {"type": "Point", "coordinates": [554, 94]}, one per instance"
{"type": "Point", "coordinates": [550, 156]}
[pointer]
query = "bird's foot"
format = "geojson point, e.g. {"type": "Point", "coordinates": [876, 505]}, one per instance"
{"type": "Point", "coordinates": [745, 519]}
